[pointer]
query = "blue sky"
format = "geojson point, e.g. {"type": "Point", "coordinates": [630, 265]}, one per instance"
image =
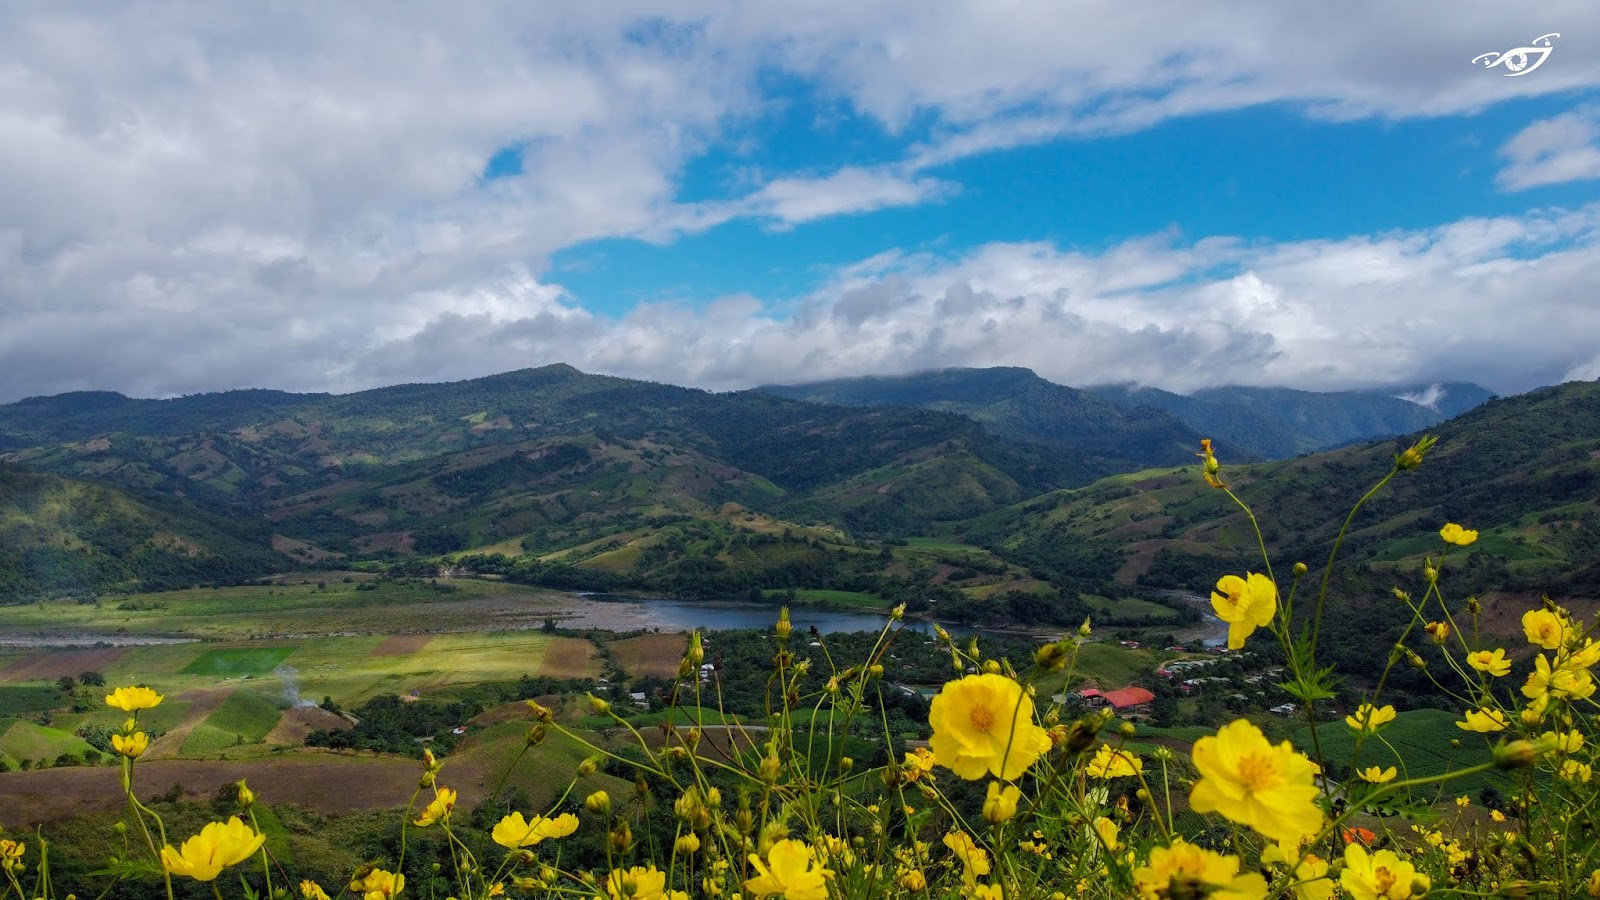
{"type": "Point", "coordinates": [1266, 173]}
{"type": "Point", "coordinates": [724, 194]}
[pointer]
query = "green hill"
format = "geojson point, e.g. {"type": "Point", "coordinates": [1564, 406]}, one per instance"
{"type": "Point", "coordinates": [62, 536]}
{"type": "Point", "coordinates": [1017, 404]}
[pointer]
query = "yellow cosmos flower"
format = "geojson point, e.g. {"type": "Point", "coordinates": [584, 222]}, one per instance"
{"type": "Point", "coordinates": [1375, 775]}
{"type": "Point", "coordinates": [514, 832]}
{"type": "Point", "coordinates": [1109, 763]}
{"type": "Point", "coordinates": [1455, 534]}
{"type": "Point", "coordinates": [131, 699]}
{"type": "Point", "coordinates": [1245, 604]}
{"type": "Point", "coordinates": [1546, 684]}
{"type": "Point", "coordinates": [789, 872]}
{"type": "Point", "coordinates": [1248, 780]}
{"type": "Point", "coordinates": [1184, 870]}
{"type": "Point", "coordinates": [974, 859]}
{"type": "Point", "coordinates": [983, 725]}
{"type": "Point", "coordinates": [1572, 770]}
{"type": "Point", "coordinates": [217, 846]}
{"type": "Point", "coordinates": [988, 892]}
{"type": "Point", "coordinates": [1484, 721]}
{"type": "Point", "coordinates": [1108, 833]}
{"type": "Point", "coordinates": [1544, 628]}
{"type": "Point", "coordinates": [378, 885]}
{"type": "Point", "coordinates": [1311, 881]}
{"type": "Point", "coordinates": [1583, 657]}
{"type": "Point", "coordinates": [1493, 662]}
{"type": "Point", "coordinates": [1570, 742]}
{"type": "Point", "coordinates": [310, 890]}
{"type": "Point", "coordinates": [1366, 718]}
{"type": "Point", "coordinates": [130, 745]}
{"type": "Point", "coordinates": [11, 856]}
{"type": "Point", "coordinates": [1380, 876]}
{"type": "Point", "coordinates": [444, 800]}
{"type": "Point", "coordinates": [1000, 804]}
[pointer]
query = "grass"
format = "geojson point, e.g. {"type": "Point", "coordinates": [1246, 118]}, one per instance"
{"type": "Point", "coordinates": [232, 662]}
{"type": "Point", "coordinates": [1422, 738]}
{"type": "Point", "coordinates": [16, 699]}
{"type": "Point", "coordinates": [28, 740]}
{"type": "Point", "coordinates": [852, 599]}
{"type": "Point", "coordinates": [1128, 607]}
{"type": "Point", "coordinates": [654, 655]}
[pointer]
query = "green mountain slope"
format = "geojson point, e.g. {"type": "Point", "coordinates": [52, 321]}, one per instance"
{"type": "Point", "coordinates": [60, 536]}
{"type": "Point", "coordinates": [1277, 423]}
{"type": "Point", "coordinates": [1018, 404]}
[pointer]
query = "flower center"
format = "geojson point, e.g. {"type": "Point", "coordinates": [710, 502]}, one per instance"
{"type": "Point", "coordinates": [1383, 879]}
{"type": "Point", "coordinates": [981, 717]}
{"type": "Point", "coordinates": [1257, 772]}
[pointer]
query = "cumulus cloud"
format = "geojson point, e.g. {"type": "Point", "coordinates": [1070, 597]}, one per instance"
{"type": "Point", "coordinates": [200, 197]}
{"type": "Point", "coordinates": [1552, 151]}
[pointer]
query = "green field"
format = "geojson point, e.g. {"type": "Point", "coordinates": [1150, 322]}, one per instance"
{"type": "Point", "coordinates": [855, 599]}
{"type": "Point", "coordinates": [1422, 738]}
{"type": "Point", "coordinates": [16, 699]}
{"type": "Point", "coordinates": [244, 718]}
{"type": "Point", "coordinates": [232, 662]}
{"type": "Point", "coordinates": [1128, 607]}
{"type": "Point", "coordinates": [27, 740]}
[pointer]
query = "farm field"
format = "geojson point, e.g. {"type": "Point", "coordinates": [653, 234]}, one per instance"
{"type": "Point", "coordinates": [329, 605]}
{"type": "Point", "coordinates": [1422, 739]}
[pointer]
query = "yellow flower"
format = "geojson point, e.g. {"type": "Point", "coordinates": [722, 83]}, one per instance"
{"type": "Point", "coordinates": [983, 725]}
{"type": "Point", "coordinates": [310, 890]}
{"type": "Point", "coordinates": [1570, 742]}
{"type": "Point", "coordinates": [1497, 815]}
{"type": "Point", "coordinates": [639, 883]}
{"type": "Point", "coordinates": [1247, 780]}
{"type": "Point", "coordinates": [1000, 804]}
{"type": "Point", "coordinates": [1379, 876]}
{"type": "Point", "coordinates": [1593, 887]}
{"type": "Point", "coordinates": [1439, 631]}
{"type": "Point", "coordinates": [1184, 870]}
{"type": "Point", "coordinates": [514, 832]}
{"type": "Point", "coordinates": [130, 699]}
{"type": "Point", "coordinates": [1544, 628]}
{"type": "Point", "coordinates": [11, 856]}
{"type": "Point", "coordinates": [1375, 775]}
{"type": "Point", "coordinates": [974, 859]}
{"type": "Point", "coordinates": [1455, 534]}
{"type": "Point", "coordinates": [1583, 657]}
{"type": "Point", "coordinates": [131, 745]}
{"type": "Point", "coordinates": [444, 800]}
{"type": "Point", "coordinates": [1495, 663]}
{"type": "Point", "coordinates": [1366, 718]}
{"type": "Point", "coordinates": [988, 892]}
{"type": "Point", "coordinates": [687, 845]}
{"type": "Point", "coordinates": [1311, 881]}
{"type": "Point", "coordinates": [914, 880]}
{"type": "Point", "coordinates": [1484, 721]}
{"type": "Point", "coordinates": [1109, 763]}
{"type": "Point", "coordinates": [217, 846]}
{"type": "Point", "coordinates": [789, 873]}
{"type": "Point", "coordinates": [378, 885]}
{"type": "Point", "coordinates": [1548, 684]}
{"type": "Point", "coordinates": [1245, 604]}
{"type": "Point", "coordinates": [1572, 770]}
{"type": "Point", "coordinates": [1108, 832]}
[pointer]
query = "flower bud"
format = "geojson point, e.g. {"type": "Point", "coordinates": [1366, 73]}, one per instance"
{"type": "Point", "coordinates": [1000, 804]}
{"type": "Point", "coordinates": [875, 671]}
{"type": "Point", "coordinates": [1516, 754]}
{"type": "Point", "coordinates": [1412, 456]}
{"type": "Point", "coordinates": [536, 735]}
{"type": "Point", "coordinates": [1299, 569]}
{"type": "Point", "coordinates": [621, 837]}
{"type": "Point", "coordinates": [600, 707]}
{"type": "Point", "coordinates": [1126, 729]}
{"type": "Point", "coordinates": [599, 803]}
{"type": "Point", "coordinates": [247, 797]}
{"type": "Point", "coordinates": [540, 711]}
{"type": "Point", "coordinates": [687, 845]}
{"type": "Point", "coordinates": [697, 651]}
{"type": "Point", "coordinates": [1083, 630]}
{"type": "Point", "coordinates": [897, 613]}
{"type": "Point", "coordinates": [783, 628]}
{"type": "Point", "coordinates": [769, 769]}
{"type": "Point", "coordinates": [588, 766]}
{"type": "Point", "coordinates": [1473, 606]}
{"type": "Point", "coordinates": [846, 764]}
{"type": "Point", "coordinates": [1439, 631]}
{"type": "Point", "coordinates": [991, 667]}
{"type": "Point", "coordinates": [1051, 657]}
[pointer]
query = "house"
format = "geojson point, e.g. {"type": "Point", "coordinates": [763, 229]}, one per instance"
{"type": "Point", "coordinates": [639, 699]}
{"type": "Point", "coordinates": [1124, 700]}
{"type": "Point", "coordinates": [1284, 709]}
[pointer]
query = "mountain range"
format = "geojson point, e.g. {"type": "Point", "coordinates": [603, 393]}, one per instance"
{"type": "Point", "coordinates": [964, 484]}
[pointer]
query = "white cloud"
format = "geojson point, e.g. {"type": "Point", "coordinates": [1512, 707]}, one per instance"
{"type": "Point", "coordinates": [1552, 151]}
{"type": "Point", "coordinates": [849, 190]}
{"type": "Point", "coordinates": [197, 197]}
